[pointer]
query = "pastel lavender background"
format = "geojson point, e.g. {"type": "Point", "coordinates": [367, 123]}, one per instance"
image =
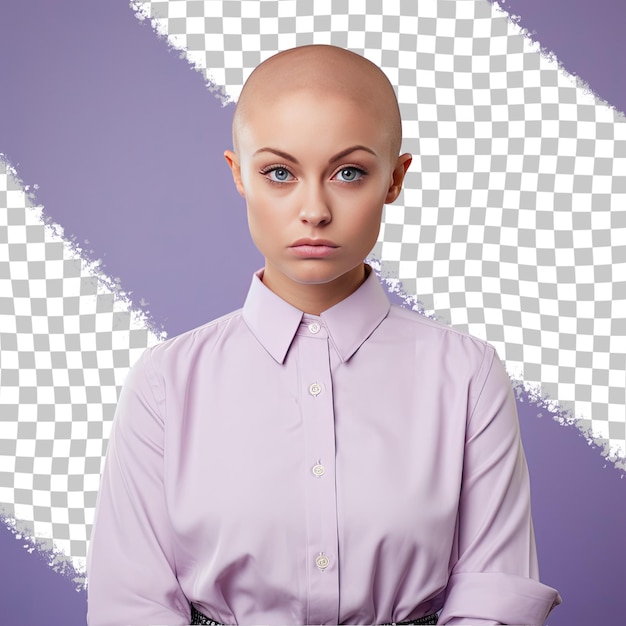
{"type": "Point", "coordinates": [125, 144]}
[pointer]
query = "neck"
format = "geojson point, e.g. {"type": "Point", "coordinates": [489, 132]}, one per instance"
{"type": "Point", "coordinates": [317, 297]}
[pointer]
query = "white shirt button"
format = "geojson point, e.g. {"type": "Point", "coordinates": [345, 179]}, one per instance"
{"type": "Point", "coordinates": [319, 470]}
{"type": "Point", "coordinates": [314, 328]}
{"type": "Point", "coordinates": [315, 389]}
{"type": "Point", "coordinates": [322, 561]}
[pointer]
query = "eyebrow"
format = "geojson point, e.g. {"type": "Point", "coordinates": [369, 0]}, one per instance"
{"type": "Point", "coordinates": [348, 151]}
{"type": "Point", "coordinates": [333, 159]}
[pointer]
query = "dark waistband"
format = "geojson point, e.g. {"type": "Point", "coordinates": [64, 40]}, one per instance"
{"type": "Point", "coordinates": [420, 621]}
{"type": "Point", "coordinates": [427, 620]}
{"type": "Point", "coordinates": [201, 618]}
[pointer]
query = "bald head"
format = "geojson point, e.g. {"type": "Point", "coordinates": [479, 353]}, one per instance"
{"type": "Point", "coordinates": [322, 70]}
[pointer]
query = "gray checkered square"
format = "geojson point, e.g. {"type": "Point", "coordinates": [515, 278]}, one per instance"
{"type": "Point", "coordinates": [67, 339]}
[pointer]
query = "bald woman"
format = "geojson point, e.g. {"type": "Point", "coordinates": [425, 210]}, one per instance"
{"type": "Point", "coordinates": [318, 456]}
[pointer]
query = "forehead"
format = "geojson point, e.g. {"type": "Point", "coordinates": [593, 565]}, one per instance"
{"type": "Point", "coordinates": [319, 74]}
{"type": "Point", "coordinates": [310, 119]}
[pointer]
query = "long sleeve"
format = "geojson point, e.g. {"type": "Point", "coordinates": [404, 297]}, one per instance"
{"type": "Point", "coordinates": [494, 579]}
{"type": "Point", "coordinates": [130, 568]}
{"type": "Point", "coordinates": [247, 453]}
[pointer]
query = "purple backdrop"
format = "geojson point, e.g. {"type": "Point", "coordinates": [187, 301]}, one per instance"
{"type": "Point", "coordinates": [125, 143]}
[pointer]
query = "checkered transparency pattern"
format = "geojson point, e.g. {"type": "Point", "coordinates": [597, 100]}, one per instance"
{"type": "Point", "coordinates": [67, 339]}
{"type": "Point", "coordinates": [513, 221]}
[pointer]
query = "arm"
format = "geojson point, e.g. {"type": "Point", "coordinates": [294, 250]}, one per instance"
{"type": "Point", "coordinates": [494, 579]}
{"type": "Point", "coordinates": [130, 566]}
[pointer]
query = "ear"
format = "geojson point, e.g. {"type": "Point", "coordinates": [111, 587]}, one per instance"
{"type": "Point", "coordinates": [397, 177]}
{"type": "Point", "coordinates": [233, 162]}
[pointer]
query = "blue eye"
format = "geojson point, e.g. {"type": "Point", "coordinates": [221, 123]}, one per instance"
{"type": "Point", "coordinates": [350, 174]}
{"type": "Point", "coordinates": [279, 175]}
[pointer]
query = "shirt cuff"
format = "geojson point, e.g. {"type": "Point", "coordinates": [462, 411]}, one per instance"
{"type": "Point", "coordinates": [503, 598]}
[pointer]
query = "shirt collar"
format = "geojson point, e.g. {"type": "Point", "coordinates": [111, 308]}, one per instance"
{"type": "Point", "coordinates": [349, 323]}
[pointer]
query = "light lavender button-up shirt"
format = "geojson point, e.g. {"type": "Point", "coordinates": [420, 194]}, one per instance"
{"type": "Point", "coordinates": [360, 467]}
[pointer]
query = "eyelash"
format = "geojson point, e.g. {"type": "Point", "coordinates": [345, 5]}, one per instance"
{"type": "Point", "coordinates": [357, 168]}
{"type": "Point", "coordinates": [272, 168]}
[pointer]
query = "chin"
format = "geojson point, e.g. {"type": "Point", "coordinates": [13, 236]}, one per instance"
{"type": "Point", "coordinates": [319, 276]}
{"type": "Point", "coordinates": [314, 280]}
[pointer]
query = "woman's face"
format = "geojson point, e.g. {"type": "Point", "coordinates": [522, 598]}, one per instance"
{"type": "Point", "coordinates": [315, 171]}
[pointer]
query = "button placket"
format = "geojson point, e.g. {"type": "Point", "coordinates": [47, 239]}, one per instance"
{"type": "Point", "coordinates": [320, 453]}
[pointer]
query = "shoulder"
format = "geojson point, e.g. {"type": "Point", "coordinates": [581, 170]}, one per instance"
{"type": "Point", "coordinates": [460, 360]}
{"type": "Point", "coordinates": [196, 337]}
{"type": "Point", "coordinates": [436, 337]}
{"type": "Point", "coordinates": [180, 352]}
{"type": "Point", "coordinates": [443, 354]}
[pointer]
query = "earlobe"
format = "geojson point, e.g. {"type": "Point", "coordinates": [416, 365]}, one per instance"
{"type": "Point", "coordinates": [235, 168]}
{"type": "Point", "coordinates": [397, 177]}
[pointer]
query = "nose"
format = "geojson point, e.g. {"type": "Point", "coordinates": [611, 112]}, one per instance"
{"type": "Point", "coordinates": [314, 206]}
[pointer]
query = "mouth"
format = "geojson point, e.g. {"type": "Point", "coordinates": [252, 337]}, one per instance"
{"type": "Point", "coordinates": [313, 248]}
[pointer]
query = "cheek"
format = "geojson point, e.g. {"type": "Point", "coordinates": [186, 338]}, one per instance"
{"type": "Point", "coordinates": [259, 233]}
{"type": "Point", "coordinates": [268, 205]}
{"type": "Point", "coordinates": [364, 215]}
{"type": "Point", "coordinates": [263, 219]}
{"type": "Point", "coordinates": [370, 227]}
{"type": "Point", "coordinates": [257, 218]}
